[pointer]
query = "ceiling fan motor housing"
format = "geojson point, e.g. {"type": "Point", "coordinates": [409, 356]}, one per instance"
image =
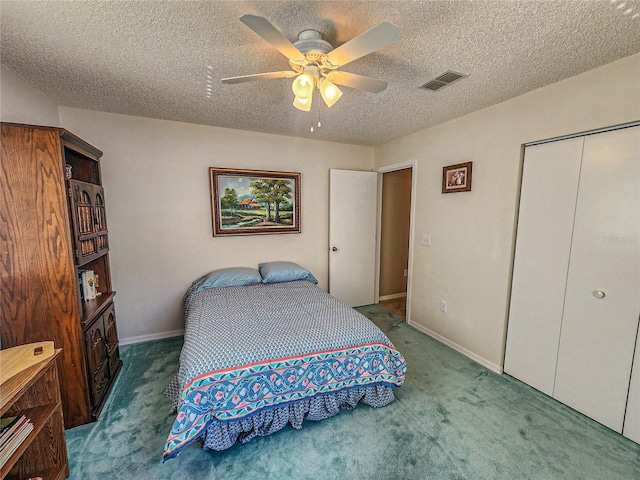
{"type": "Point", "coordinates": [311, 40]}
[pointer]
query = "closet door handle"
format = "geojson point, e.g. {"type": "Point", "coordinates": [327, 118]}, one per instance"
{"type": "Point", "coordinates": [599, 294]}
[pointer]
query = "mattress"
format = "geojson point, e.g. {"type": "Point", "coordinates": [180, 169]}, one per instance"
{"type": "Point", "coordinates": [258, 357]}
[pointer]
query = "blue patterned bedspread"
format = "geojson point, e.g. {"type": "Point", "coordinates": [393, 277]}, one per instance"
{"type": "Point", "coordinates": [252, 348]}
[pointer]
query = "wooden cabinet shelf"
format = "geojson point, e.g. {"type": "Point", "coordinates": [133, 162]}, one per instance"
{"type": "Point", "coordinates": [92, 308]}
{"type": "Point", "coordinates": [35, 393]}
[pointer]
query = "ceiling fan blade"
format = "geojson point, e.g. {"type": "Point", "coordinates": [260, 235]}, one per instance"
{"type": "Point", "coordinates": [260, 76]}
{"type": "Point", "coordinates": [360, 82]}
{"type": "Point", "coordinates": [271, 34]}
{"type": "Point", "coordinates": [378, 37]}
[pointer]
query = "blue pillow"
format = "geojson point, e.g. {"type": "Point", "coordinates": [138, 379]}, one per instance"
{"type": "Point", "coordinates": [227, 277]}
{"type": "Point", "coordinates": [274, 272]}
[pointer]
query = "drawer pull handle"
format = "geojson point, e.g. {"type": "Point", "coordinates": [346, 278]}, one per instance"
{"type": "Point", "coordinates": [97, 370]}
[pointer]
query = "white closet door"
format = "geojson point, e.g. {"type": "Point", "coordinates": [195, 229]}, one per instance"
{"type": "Point", "coordinates": [545, 223]}
{"type": "Point", "coordinates": [598, 335]}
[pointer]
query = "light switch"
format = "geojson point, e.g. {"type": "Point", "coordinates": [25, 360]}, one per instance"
{"type": "Point", "coordinates": [426, 240]}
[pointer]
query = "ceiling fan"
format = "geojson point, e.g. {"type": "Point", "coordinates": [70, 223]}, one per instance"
{"type": "Point", "coordinates": [315, 62]}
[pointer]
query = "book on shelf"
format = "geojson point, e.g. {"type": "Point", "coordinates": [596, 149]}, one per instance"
{"type": "Point", "coordinates": [15, 442]}
{"type": "Point", "coordinates": [15, 427]}
{"type": "Point", "coordinates": [88, 285]}
{"type": "Point", "coordinates": [6, 422]}
{"type": "Point", "coordinates": [14, 433]}
{"type": "Point", "coordinates": [8, 426]}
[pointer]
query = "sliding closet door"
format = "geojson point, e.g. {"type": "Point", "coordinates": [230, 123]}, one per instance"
{"type": "Point", "coordinates": [545, 224]}
{"type": "Point", "coordinates": [602, 303]}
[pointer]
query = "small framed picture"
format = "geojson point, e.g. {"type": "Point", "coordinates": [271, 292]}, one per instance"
{"type": "Point", "coordinates": [456, 178]}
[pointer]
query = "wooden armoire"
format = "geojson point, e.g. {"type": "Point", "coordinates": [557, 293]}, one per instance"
{"type": "Point", "coordinates": [53, 228]}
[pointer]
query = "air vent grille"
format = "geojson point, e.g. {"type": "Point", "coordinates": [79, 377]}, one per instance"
{"type": "Point", "coordinates": [447, 78]}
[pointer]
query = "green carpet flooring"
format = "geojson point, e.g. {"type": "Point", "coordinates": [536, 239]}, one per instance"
{"type": "Point", "coordinates": [453, 419]}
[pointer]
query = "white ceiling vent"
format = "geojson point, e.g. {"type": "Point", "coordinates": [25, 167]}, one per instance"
{"type": "Point", "coordinates": [447, 78]}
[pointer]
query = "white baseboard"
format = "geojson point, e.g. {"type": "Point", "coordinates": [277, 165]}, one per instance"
{"type": "Point", "coordinates": [393, 295]}
{"type": "Point", "coordinates": [153, 336]}
{"type": "Point", "coordinates": [467, 353]}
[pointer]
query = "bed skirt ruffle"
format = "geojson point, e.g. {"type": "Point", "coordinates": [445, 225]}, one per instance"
{"type": "Point", "coordinates": [223, 435]}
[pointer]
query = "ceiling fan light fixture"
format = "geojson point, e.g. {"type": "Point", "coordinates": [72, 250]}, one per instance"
{"type": "Point", "coordinates": [314, 61]}
{"type": "Point", "coordinates": [303, 104]}
{"type": "Point", "coordinates": [329, 91]}
{"type": "Point", "coordinates": [302, 86]}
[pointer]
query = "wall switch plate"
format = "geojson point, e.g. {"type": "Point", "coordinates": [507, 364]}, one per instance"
{"type": "Point", "coordinates": [426, 240]}
{"type": "Point", "coordinates": [406, 272]}
{"type": "Point", "coordinates": [443, 306]}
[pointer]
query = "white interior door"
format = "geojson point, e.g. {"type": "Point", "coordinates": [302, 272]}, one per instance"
{"type": "Point", "coordinates": [352, 236]}
{"type": "Point", "coordinates": [602, 303]}
{"type": "Point", "coordinates": [545, 225]}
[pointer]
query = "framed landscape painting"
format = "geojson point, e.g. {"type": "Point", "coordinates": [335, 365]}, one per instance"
{"type": "Point", "coordinates": [254, 202]}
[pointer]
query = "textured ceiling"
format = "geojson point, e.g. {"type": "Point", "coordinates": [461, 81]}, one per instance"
{"type": "Point", "coordinates": [151, 58]}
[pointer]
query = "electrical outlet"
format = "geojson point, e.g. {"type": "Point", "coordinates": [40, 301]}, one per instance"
{"type": "Point", "coordinates": [426, 240]}
{"type": "Point", "coordinates": [443, 306]}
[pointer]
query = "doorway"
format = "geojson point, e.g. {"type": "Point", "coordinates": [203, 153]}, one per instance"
{"type": "Point", "coordinates": [394, 238]}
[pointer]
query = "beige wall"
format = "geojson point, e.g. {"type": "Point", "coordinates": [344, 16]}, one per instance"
{"type": "Point", "coordinates": [21, 103]}
{"type": "Point", "coordinates": [155, 176]}
{"type": "Point", "coordinates": [472, 233]}
{"type": "Point", "coordinates": [156, 179]}
{"type": "Point", "coordinates": [394, 231]}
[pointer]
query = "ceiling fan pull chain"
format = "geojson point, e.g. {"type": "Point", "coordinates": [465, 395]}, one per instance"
{"type": "Point", "coordinates": [317, 107]}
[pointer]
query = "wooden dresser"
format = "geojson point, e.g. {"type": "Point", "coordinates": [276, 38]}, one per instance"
{"type": "Point", "coordinates": [35, 394]}
{"type": "Point", "coordinates": [53, 227]}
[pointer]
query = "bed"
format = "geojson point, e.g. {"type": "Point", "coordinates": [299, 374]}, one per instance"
{"type": "Point", "coordinates": [258, 356]}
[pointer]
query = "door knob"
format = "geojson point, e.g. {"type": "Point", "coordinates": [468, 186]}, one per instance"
{"type": "Point", "coordinates": [599, 294]}
{"type": "Point", "coordinates": [334, 249]}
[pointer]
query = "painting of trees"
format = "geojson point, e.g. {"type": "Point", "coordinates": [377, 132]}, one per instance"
{"type": "Point", "coordinates": [260, 189]}
{"type": "Point", "coordinates": [272, 192]}
{"type": "Point", "coordinates": [280, 193]}
{"type": "Point", "coordinates": [247, 202]}
{"type": "Point", "coordinates": [230, 199]}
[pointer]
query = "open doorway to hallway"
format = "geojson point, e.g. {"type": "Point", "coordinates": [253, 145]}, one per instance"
{"type": "Point", "coordinates": [395, 225]}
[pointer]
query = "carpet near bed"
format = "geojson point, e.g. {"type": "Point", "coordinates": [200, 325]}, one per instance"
{"type": "Point", "coordinates": [452, 419]}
